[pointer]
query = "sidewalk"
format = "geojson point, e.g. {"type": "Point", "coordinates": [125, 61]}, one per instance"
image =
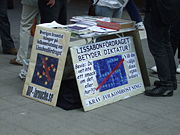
{"type": "Point", "coordinates": [138, 115]}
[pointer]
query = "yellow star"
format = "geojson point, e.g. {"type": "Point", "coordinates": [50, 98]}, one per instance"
{"type": "Point", "coordinates": [38, 73]}
{"type": "Point", "coordinates": [45, 82]}
{"type": "Point", "coordinates": [54, 69]}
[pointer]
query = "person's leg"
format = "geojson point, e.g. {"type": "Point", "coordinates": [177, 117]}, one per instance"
{"type": "Point", "coordinates": [179, 53]}
{"type": "Point", "coordinates": [10, 4]}
{"type": "Point", "coordinates": [7, 42]}
{"type": "Point", "coordinates": [174, 37]}
{"type": "Point", "coordinates": [158, 41]}
{"type": "Point", "coordinates": [179, 50]}
{"type": "Point", "coordinates": [27, 19]}
{"type": "Point", "coordinates": [62, 12]}
{"type": "Point", "coordinates": [175, 41]}
{"type": "Point", "coordinates": [178, 67]}
{"type": "Point", "coordinates": [47, 13]}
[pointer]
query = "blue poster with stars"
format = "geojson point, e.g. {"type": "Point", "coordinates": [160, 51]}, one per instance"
{"type": "Point", "coordinates": [104, 67]}
{"type": "Point", "coordinates": [45, 71]}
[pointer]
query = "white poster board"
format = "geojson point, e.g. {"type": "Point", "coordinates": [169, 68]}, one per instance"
{"type": "Point", "coordinates": [106, 72]}
{"type": "Point", "coordinates": [46, 65]}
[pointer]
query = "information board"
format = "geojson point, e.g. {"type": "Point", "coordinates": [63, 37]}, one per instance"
{"type": "Point", "coordinates": [46, 65]}
{"type": "Point", "coordinates": [106, 72]}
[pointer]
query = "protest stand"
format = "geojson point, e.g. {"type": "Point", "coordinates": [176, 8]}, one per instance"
{"type": "Point", "coordinates": [105, 59]}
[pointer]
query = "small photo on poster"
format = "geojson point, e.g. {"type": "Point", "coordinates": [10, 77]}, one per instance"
{"type": "Point", "coordinates": [105, 67]}
{"type": "Point", "coordinates": [45, 71]}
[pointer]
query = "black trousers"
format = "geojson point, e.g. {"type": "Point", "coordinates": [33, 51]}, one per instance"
{"type": "Point", "coordinates": [175, 37]}
{"type": "Point", "coordinates": [7, 42]}
{"type": "Point", "coordinates": [158, 36]}
{"type": "Point", "coordinates": [56, 13]}
{"type": "Point", "coordinates": [10, 4]}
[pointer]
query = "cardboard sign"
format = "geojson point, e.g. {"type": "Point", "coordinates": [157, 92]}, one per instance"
{"type": "Point", "coordinates": [46, 65]}
{"type": "Point", "coordinates": [106, 72]}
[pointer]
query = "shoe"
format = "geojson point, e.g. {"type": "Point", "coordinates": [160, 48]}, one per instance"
{"type": "Point", "coordinates": [22, 74]}
{"type": "Point", "coordinates": [178, 69]}
{"type": "Point", "coordinates": [159, 92]}
{"type": "Point", "coordinates": [160, 83]}
{"type": "Point", "coordinates": [14, 62]}
{"type": "Point", "coordinates": [154, 69]}
{"type": "Point", "coordinates": [140, 26]}
{"type": "Point", "coordinates": [11, 51]}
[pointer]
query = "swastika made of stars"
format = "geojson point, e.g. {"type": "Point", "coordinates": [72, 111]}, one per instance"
{"type": "Point", "coordinates": [45, 71]}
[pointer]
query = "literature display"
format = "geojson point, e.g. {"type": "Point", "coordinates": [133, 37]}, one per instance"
{"type": "Point", "coordinates": [78, 29]}
{"type": "Point", "coordinates": [100, 25]}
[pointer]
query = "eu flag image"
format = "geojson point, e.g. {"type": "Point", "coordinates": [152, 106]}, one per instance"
{"type": "Point", "coordinates": [45, 71]}
{"type": "Point", "coordinates": [105, 67]}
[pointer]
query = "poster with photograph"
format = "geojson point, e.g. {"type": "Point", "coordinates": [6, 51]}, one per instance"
{"type": "Point", "coordinates": [106, 72]}
{"type": "Point", "coordinates": [46, 65]}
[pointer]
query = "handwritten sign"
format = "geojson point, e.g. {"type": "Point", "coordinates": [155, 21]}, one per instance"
{"type": "Point", "coordinates": [46, 66]}
{"type": "Point", "coordinates": [106, 72]}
